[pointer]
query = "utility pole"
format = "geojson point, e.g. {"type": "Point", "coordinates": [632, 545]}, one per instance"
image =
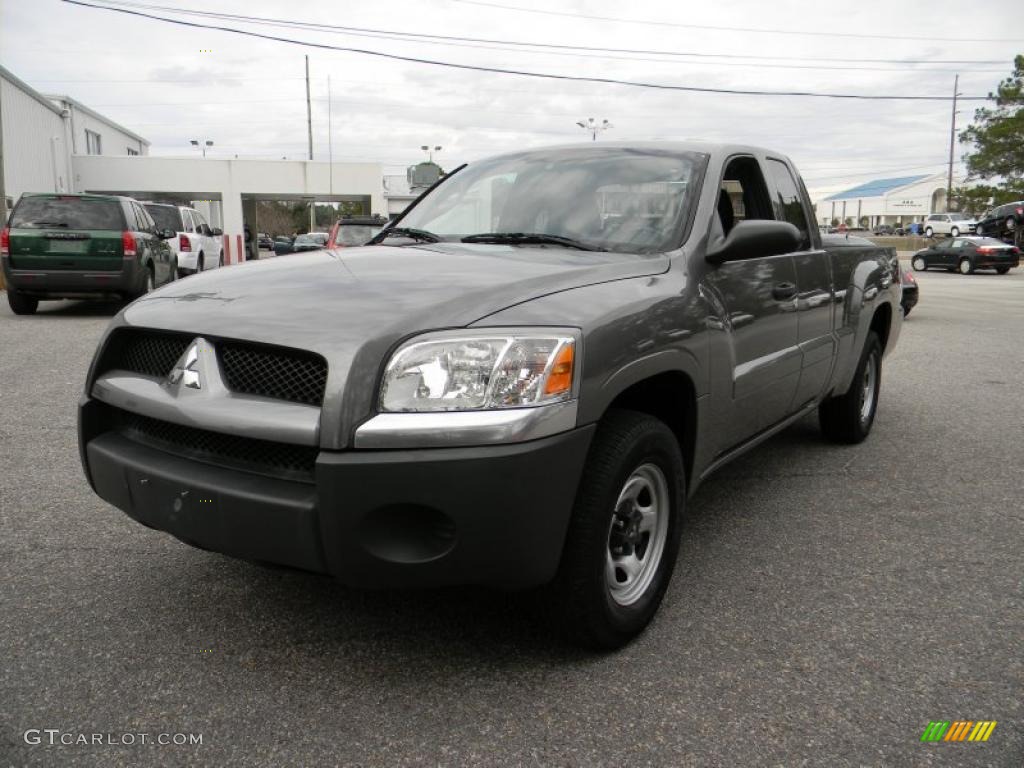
{"type": "Point", "coordinates": [330, 140]}
{"type": "Point", "coordinates": [309, 112]}
{"type": "Point", "coordinates": [952, 143]}
{"type": "Point", "coordinates": [309, 127]}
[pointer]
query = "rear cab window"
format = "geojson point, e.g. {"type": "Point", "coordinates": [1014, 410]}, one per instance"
{"type": "Point", "coordinates": [67, 213]}
{"type": "Point", "coordinates": [788, 202]}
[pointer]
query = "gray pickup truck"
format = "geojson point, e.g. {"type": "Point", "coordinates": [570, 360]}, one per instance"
{"type": "Point", "coordinates": [519, 383]}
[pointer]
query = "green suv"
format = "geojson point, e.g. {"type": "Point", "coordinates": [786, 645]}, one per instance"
{"type": "Point", "coordinates": [82, 246]}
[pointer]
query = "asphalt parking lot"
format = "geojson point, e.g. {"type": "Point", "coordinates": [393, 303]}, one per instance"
{"type": "Point", "coordinates": [828, 603]}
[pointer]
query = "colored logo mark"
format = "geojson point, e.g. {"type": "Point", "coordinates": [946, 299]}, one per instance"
{"type": "Point", "coordinates": [958, 730]}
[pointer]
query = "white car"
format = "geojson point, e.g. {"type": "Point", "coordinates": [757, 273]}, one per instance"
{"type": "Point", "coordinates": [952, 224]}
{"type": "Point", "coordinates": [198, 247]}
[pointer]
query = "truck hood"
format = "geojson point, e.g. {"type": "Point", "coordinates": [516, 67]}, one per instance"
{"type": "Point", "coordinates": [352, 305]}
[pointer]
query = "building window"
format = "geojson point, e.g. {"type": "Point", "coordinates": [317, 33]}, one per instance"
{"type": "Point", "coordinates": [93, 145]}
{"type": "Point", "coordinates": [132, 151]}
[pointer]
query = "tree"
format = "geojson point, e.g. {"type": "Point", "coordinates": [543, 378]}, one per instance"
{"type": "Point", "coordinates": [996, 138]}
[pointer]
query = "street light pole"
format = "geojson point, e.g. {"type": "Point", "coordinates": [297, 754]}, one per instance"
{"type": "Point", "coordinates": [593, 127]}
{"type": "Point", "coordinates": [204, 146]}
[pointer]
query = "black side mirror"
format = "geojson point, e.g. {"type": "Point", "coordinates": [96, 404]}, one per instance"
{"type": "Point", "coordinates": [756, 239]}
{"type": "Point", "coordinates": [215, 232]}
{"type": "Point", "coordinates": [167, 234]}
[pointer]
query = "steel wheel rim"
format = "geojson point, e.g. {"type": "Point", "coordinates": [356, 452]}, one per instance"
{"type": "Point", "coordinates": [965, 267]}
{"type": "Point", "coordinates": [637, 534]}
{"type": "Point", "coordinates": [867, 393]}
{"type": "Point", "coordinates": [918, 264]}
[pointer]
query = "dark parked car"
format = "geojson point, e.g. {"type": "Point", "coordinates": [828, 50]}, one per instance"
{"type": "Point", "coordinates": [966, 254]}
{"type": "Point", "coordinates": [314, 241]}
{"type": "Point", "coordinates": [1004, 221]}
{"type": "Point", "coordinates": [355, 230]}
{"type": "Point", "coordinates": [264, 242]}
{"type": "Point", "coordinates": [883, 230]}
{"type": "Point", "coordinates": [911, 292]}
{"type": "Point", "coordinates": [519, 384]}
{"type": "Point", "coordinates": [82, 246]}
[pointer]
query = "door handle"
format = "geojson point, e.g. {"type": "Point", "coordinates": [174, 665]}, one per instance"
{"type": "Point", "coordinates": [784, 291]}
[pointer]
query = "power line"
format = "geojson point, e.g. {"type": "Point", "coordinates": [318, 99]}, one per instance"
{"type": "Point", "coordinates": [522, 73]}
{"type": "Point", "coordinates": [715, 28]}
{"type": "Point", "coordinates": [435, 39]}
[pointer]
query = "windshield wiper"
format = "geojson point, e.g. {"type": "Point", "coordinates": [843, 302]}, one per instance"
{"type": "Point", "coordinates": [415, 234]}
{"type": "Point", "coordinates": [530, 238]}
{"type": "Point", "coordinates": [49, 224]}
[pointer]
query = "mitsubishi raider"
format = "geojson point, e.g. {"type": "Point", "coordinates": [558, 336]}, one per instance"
{"type": "Point", "coordinates": [518, 383]}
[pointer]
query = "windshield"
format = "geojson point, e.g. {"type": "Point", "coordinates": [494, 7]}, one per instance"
{"type": "Point", "coordinates": [66, 212]}
{"type": "Point", "coordinates": [166, 217]}
{"type": "Point", "coordinates": [356, 234]}
{"type": "Point", "coordinates": [618, 199]}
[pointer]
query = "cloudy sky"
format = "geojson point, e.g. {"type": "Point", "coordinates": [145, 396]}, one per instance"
{"type": "Point", "coordinates": [172, 83]}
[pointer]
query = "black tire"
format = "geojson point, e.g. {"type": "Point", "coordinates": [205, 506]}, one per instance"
{"type": "Point", "coordinates": [1002, 270]}
{"type": "Point", "coordinates": [841, 418]}
{"type": "Point", "coordinates": [929, 232]}
{"type": "Point", "coordinates": [220, 260]}
{"type": "Point", "coordinates": [906, 310]}
{"type": "Point", "coordinates": [970, 266]}
{"type": "Point", "coordinates": [580, 601]}
{"type": "Point", "coordinates": [954, 232]}
{"type": "Point", "coordinates": [919, 264]}
{"type": "Point", "coordinates": [21, 304]}
{"type": "Point", "coordinates": [199, 263]}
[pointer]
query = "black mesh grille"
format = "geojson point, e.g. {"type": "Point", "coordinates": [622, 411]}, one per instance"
{"type": "Point", "coordinates": [152, 354]}
{"type": "Point", "coordinates": [282, 374]}
{"type": "Point", "coordinates": [255, 369]}
{"type": "Point", "coordinates": [295, 462]}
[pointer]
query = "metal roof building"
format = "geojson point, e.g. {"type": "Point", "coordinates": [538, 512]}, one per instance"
{"type": "Point", "coordinates": [898, 200]}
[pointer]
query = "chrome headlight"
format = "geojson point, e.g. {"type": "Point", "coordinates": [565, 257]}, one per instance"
{"type": "Point", "coordinates": [477, 370]}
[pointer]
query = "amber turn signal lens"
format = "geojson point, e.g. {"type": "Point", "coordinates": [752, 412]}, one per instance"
{"type": "Point", "coordinates": [560, 378]}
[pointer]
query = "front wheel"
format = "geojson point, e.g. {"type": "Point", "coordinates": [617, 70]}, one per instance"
{"type": "Point", "coordinates": [929, 232]}
{"type": "Point", "coordinates": [954, 232]}
{"type": "Point", "coordinates": [1011, 223]}
{"type": "Point", "coordinates": [21, 304]}
{"type": "Point", "coordinates": [965, 266]}
{"type": "Point", "coordinates": [919, 264]}
{"type": "Point", "coordinates": [1002, 270]}
{"type": "Point", "coordinates": [623, 536]}
{"type": "Point", "coordinates": [848, 418]}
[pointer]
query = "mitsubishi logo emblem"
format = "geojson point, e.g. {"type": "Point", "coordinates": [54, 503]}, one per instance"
{"type": "Point", "coordinates": [186, 370]}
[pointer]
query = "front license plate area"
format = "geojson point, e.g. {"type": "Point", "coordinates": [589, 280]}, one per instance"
{"type": "Point", "coordinates": [174, 506]}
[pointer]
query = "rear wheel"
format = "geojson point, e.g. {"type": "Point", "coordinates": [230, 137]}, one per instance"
{"type": "Point", "coordinates": [848, 418]}
{"type": "Point", "coordinates": [1002, 270]}
{"type": "Point", "coordinates": [965, 266]}
{"type": "Point", "coordinates": [199, 263]}
{"type": "Point", "coordinates": [21, 304]}
{"type": "Point", "coordinates": [919, 264]}
{"type": "Point", "coordinates": [623, 536]}
{"type": "Point", "coordinates": [1011, 223]}
{"type": "Point", "coordinates": [929, 232]}
{"type": "Point", "coordinates": [220, 259]}
{"type": "Point", "coordinates": [954, 232]}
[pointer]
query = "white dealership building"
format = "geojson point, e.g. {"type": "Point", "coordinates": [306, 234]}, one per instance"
{"type": "Point", "coordinates": [57, 144]}
{"type": "Point", "coordinates": [901, 200]}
